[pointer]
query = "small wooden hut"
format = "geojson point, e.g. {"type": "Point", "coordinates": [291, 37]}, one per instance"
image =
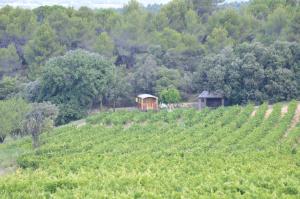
{"type": "Point", "coordinates": [147, 102]}
{"type": "Point", "coordinates": [210, 99]}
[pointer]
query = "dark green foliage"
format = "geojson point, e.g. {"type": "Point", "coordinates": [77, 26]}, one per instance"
{"type": "Point", "coordinates": [43, 46]}
{"type": "Point", "coordinates": [104, 45]}
{"type": "Point", "coordinates": [118, 88]}
{"type": "Point", "coordinates": [75, 82]}
{"type": "Point", "coordinates": [250, 52]}
{"type": "Point", "coordinates": [251, 72]}
{"type": "Point", "coordinates": [9, 61]}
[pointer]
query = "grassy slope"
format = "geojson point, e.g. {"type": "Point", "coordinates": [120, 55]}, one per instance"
{"type": "Point", "coordinates": [224, 153]}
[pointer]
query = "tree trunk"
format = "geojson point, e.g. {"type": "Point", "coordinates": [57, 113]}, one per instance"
{"type": "Point", "coordinates": [35, 137]}
{"type": "Point", "coordinates": [114, 105]}
{"type": "Point", "coordinates": [2, 138]}
{"type": "Point", "coordinates": [101, 104]}
{"type": "Point", "coordinates": [35, 140]}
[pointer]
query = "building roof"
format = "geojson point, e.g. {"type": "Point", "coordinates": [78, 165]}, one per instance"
{"type": "Point", "coordinates": [207, 94]}
{"type": "Point", "coordinates": [143, 96]}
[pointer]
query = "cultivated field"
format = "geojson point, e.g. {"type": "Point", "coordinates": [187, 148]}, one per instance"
{"type": "Point", "coordinates": [231, 152]}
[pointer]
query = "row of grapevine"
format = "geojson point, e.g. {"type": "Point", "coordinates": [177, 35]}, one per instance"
{"type": "Point", "coordinates": [227, 152]}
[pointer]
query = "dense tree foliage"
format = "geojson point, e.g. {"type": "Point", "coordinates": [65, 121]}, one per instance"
{"type": "Point", "coordinates": [249, 52]}
{"type": "Point", "coordinates": [10, 62]}
{"type": "Point", "coordinates": [43, 46]}
{"type": "Point", "coordinates": [252, 72]}
{"type": "Point", "coordinates": [75, 82]}
{"type": "Point", "coordinates": [8, 88]}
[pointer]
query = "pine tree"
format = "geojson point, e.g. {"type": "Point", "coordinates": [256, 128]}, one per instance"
{"type": "Point", "coordinates": [43, 46]}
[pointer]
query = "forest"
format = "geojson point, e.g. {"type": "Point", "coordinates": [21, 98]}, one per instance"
{"type": "Point", "coordinates": [79, 59]}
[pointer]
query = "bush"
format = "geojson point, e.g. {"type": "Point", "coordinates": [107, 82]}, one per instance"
{"type": "Point", "coordinates": [170, 95]}
{"type": "Point", "coordinates": [70, 112]}
{"type": "Point", "coordinates": [12, 114]}
{"type": "Point", "coordinates": [40, 119]}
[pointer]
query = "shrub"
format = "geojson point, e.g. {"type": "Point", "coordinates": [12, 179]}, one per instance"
{"type": "Point", "coordinates": [12, 113]}
{"type": "Point", "coordinates": [39, 119]}
{"type": "Point", "coordinates": [170, 95]}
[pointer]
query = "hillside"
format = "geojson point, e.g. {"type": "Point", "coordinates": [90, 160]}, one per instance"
{"type": "Point", "coordinates": [81, 59]}
{"type": "Point", "coordinates": [230, 152]}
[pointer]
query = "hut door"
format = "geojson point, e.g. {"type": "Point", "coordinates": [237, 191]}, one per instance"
{"type": "Point", "coordinates": [149, 106]}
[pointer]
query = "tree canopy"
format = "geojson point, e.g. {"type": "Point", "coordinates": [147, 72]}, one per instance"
{"type": "Point", "coordinates": [75, 82]}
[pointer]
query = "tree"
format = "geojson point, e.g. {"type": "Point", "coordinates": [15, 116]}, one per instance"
{"type": "Point", "coordinates": [169, 38]}
{"type": "Point", "coordinates": [106, 20]}
{"type": "Point", "coordinates": [167, 78]}
{"type": "Point", "coordinates": [12, 114]}
{"type": "Point", "coordinates": [119, 86]}
{"type": "Point", "coordinates": [31, 91]}
{"type": "Point", "coordinates": [193, 24]}
{"type": "Point", "coordinates": [205, 7]}
{"type": "Point", "coordinates": [175, 12]}
{"type": "Point", "coordinates": [145, 76]}
{"type": "Point", "coordinates": [105, 45]}
{"type": "Point", "coordinates": [10, 62]}
{"type": "Point", "coordinates": [21, 26]}
{"type": "Point", "coordinates": [218, 39]}
{"type": "Point", "coordinates": [42, 47]}
{"type": "Point", "coordinates": [170, 95]}
{"type": "Point", "coordinates": [73, 29]}
{"type": "Point", "coordinates": [295, 28]}
{"type": "Point", "coordinates": [8, 87]}
{"type": "Point", "coordinates": [39, 119]}
{"type": "Point", "coordinates": [277, 21]}
{"type": "Point", "coordinates": [240, 26]}
{"type": "Point", "coordinates": [75, 82]}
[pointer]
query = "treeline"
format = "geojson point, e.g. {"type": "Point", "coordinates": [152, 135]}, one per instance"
{"type": "Point", "coordinates": [250, 53]}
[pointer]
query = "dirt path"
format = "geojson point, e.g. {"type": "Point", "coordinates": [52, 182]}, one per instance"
{"type": "Point", "coordinates": [268, 112]}
{"type": "Point", "coordinates": [284, 110]}
{"type": "Point", "coordinates": [78, 123]}
{"type": "Point", "coordinates": [295, 121]}
{"type": "Point", "coordinates": [81, 123]}
{"type": "Point", "coordinates": [296, 118]}
{"type": "Point", "coordinates": [254, 111]}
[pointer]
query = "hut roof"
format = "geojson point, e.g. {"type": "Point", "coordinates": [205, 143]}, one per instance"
{"type": "Point", "coordinates": [143, 96]}
{"type": "Point", "coordinates": [207, 94]}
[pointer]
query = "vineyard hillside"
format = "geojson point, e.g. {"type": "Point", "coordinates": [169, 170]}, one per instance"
{"type": "Point", "coordinates": [229, 152]}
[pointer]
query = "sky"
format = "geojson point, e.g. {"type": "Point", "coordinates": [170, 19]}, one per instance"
{"type": "Point", "coordinates": [79, 3]}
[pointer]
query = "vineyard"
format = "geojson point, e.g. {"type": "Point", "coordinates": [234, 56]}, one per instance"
{"type": "Point", "coordinates": [229, 152]}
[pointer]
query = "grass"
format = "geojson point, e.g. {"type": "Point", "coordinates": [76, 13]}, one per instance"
{"type": "Point", "coordinates": [222, 153]}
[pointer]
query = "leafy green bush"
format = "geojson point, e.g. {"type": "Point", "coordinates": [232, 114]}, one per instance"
{"type": "Point", "coordinates": [170, 95]}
